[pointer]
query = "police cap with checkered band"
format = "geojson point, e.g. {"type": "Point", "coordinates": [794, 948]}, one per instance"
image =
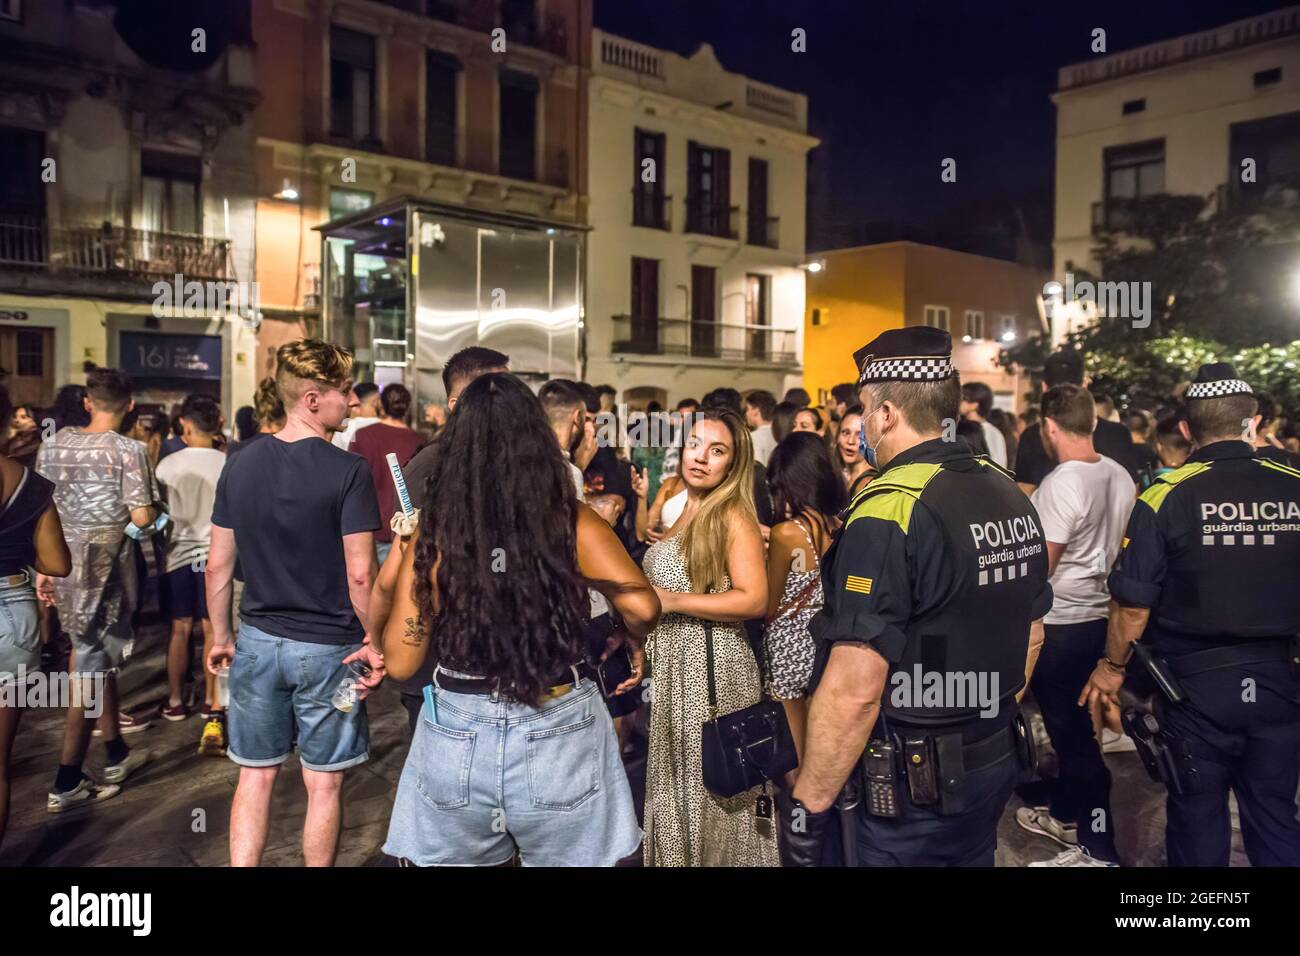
{"type": "Point", "coordinates": [917, 353]}
{"type": "Point", "coordinates": [1217, 380]}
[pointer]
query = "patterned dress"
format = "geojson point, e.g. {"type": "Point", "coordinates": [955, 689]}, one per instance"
{"type": "Point", "coordinates": [786, 641]}
{"type": "Point", "coordinates": [685, 825]}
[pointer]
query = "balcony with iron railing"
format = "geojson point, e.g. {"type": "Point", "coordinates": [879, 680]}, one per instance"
{"type": "Point", "coordinates": [763, 231]}
{"type": "Point", "coordinates": [542, 31]}
{"type": "Point", "coordinates": [655, 335]}
{"type": "Point", "coordinates": [110, 251]}
{"type": "Point", "coordinates": [651, 210]}
{"type": "Point", "coordinates": [712, 219]}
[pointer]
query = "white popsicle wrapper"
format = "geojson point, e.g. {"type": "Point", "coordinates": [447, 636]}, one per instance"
{"type": "Point", "coordinates": [403, 496]}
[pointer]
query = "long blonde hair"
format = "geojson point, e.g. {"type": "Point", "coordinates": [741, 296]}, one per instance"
{"type": "Point", "coordinates": [706, 540]}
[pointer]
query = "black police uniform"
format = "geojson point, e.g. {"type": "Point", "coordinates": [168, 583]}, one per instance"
{"type": "Point", "coordinates": [941, 567]}
{"type": "Point", "coordinates": [1213, 549]}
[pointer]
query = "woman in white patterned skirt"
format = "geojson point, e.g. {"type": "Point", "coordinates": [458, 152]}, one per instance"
{"type": "Point", "coordinates": [708, 571]}
{"type": "Point", "coordinates": [807, 497]}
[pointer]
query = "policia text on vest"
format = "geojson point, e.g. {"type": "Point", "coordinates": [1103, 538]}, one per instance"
{"type": "Point", "coordinates": [1207, 579]}
{"type": "Point", "coordinates": [939, 568]}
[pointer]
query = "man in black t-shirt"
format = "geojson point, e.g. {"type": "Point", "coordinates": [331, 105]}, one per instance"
{"type": "Point", "coordinates": [300, 514]}
{"type": "Point", "coordinates": [1110, 438]}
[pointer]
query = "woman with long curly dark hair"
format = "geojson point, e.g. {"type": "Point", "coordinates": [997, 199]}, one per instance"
{"type": "Point", "coordinates": [515, 750]}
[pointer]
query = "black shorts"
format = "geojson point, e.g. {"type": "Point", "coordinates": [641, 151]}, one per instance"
{"type": "Point", "coordinates": [186, 594]}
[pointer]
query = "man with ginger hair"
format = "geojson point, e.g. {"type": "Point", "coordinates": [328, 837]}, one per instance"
{"type": "Point", "coordinates": [300, 514]}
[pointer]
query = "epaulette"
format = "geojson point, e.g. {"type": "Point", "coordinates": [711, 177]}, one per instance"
{"type": "Point", "coordinates": [1270, 463]}
{"type": "Point", "coordinates": [988, 462]}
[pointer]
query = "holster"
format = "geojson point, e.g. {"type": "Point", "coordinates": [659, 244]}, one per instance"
{"type": "Point", "coordinates": [1168, 760]}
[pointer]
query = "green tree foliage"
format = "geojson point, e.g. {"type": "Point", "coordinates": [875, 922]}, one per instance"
{"type": "Point", "coordinates": [1224, 272]}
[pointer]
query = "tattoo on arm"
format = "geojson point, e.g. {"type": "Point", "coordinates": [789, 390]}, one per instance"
{"type": "Point", "coordinates": [414, 635]}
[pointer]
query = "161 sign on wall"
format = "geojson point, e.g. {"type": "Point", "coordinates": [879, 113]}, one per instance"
{"type": "Point", "coordinates": [164, 355]}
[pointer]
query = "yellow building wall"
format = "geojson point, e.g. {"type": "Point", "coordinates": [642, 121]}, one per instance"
{"type": "Point", "coordinates": [859, 293]}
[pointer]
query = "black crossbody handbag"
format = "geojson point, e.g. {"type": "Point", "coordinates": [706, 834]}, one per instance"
{"type": "Point", "coordinates": [744, 749]}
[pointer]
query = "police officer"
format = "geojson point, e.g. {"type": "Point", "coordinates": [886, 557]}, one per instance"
{"type": "Point", "coordinates": [932, 588]}
{"type": "Point", "coordinates": [1210, 570]}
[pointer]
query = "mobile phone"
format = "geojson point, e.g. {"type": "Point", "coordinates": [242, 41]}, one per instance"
{"type": "Point", "coordinates": [613, 671]}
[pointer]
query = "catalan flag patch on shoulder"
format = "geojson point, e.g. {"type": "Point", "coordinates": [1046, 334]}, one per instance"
{"type": "Point", "coordinates": [855, 583]}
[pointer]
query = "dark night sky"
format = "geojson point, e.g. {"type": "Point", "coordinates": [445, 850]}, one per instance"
{"type": "Point", "coordinates": [896, 85]}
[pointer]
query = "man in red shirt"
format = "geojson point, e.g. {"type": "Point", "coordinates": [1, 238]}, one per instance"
{"type": "Point", "coordinates": [390, 434]}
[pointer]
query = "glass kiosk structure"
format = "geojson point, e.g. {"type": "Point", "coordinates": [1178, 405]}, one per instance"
{"type": "Point", "coordinates": [408, 283]}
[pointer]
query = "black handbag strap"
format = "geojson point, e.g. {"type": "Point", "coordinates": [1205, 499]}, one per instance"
{"type": "Point", "coordinates": [708, 657]}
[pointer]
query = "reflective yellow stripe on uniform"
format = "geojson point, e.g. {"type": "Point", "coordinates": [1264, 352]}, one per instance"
{"type": "Point", "coordinates": [990, 463]}
{"type": "Point", "coordinates": [1278, 466]}
{"type": "Point", "coordinates": [1155, 496]}
{"type": "Point", "coordinates": [891, 496]}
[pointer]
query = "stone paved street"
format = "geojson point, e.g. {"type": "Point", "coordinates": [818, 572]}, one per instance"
{"type": "Point", "coordinates": [175, 811]}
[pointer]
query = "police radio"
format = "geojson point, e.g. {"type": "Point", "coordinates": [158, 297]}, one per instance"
{"type": "Point", "coordinates": [881, 775]}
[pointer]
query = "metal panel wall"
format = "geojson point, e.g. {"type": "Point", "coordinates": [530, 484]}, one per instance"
{"type": "Point", "coordinates": [512, 289]}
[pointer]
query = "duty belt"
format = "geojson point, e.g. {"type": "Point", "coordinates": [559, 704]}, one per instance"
{"type": "Point", "coordinates": [1273, 651]}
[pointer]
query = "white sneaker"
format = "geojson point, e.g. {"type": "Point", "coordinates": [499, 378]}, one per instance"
{"type": "Point", "coordinates": [1075, 856]}
{"type": "Point", "coordinates": [117, 772]}
{"type": "Point", "coordinates": [1039, 820]}
{"type": "Point", "coordinates": [87, 791]}
{"type": "Point", "coordinates": [1113, 743]}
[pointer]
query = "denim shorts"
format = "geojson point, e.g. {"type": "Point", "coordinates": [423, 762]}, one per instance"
{"type": "Point", "coordinates": [491, 777]}
{"type": "Point", "coordinates": [275, 682]}
{"type": "Point", "coordinates": [20, 632]}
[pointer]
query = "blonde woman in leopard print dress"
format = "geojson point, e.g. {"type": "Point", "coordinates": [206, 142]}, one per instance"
{"type": "Point", "coordinates": [709, 567]}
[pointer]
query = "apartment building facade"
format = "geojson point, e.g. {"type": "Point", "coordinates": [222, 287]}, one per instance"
{"type": "Point", "coordinates": [697, 206]}
{"type": "Point", "coordinates": [855, 294]}
{"type": "Point", "coordinates": [1213, 114]}
{"type": "Point", "coordinates": [419, 168]}
{"type": "Point", "coordinates": [126, 160]}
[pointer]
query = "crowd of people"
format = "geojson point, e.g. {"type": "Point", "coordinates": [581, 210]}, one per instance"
{"type": "Point", "coordinates": [545, 601]}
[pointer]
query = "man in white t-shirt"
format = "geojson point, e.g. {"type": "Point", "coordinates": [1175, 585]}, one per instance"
{"type": "Point", "coordinates": [188, 482]}
{"type": "Point", "coordinates": [1084, 505]}
{"type": "Point", "coordinates": [759, 408]}
{"type": "Point", "coordinates": [976, 403]}
{"type": "Point", "coordinates": [364, 413]}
